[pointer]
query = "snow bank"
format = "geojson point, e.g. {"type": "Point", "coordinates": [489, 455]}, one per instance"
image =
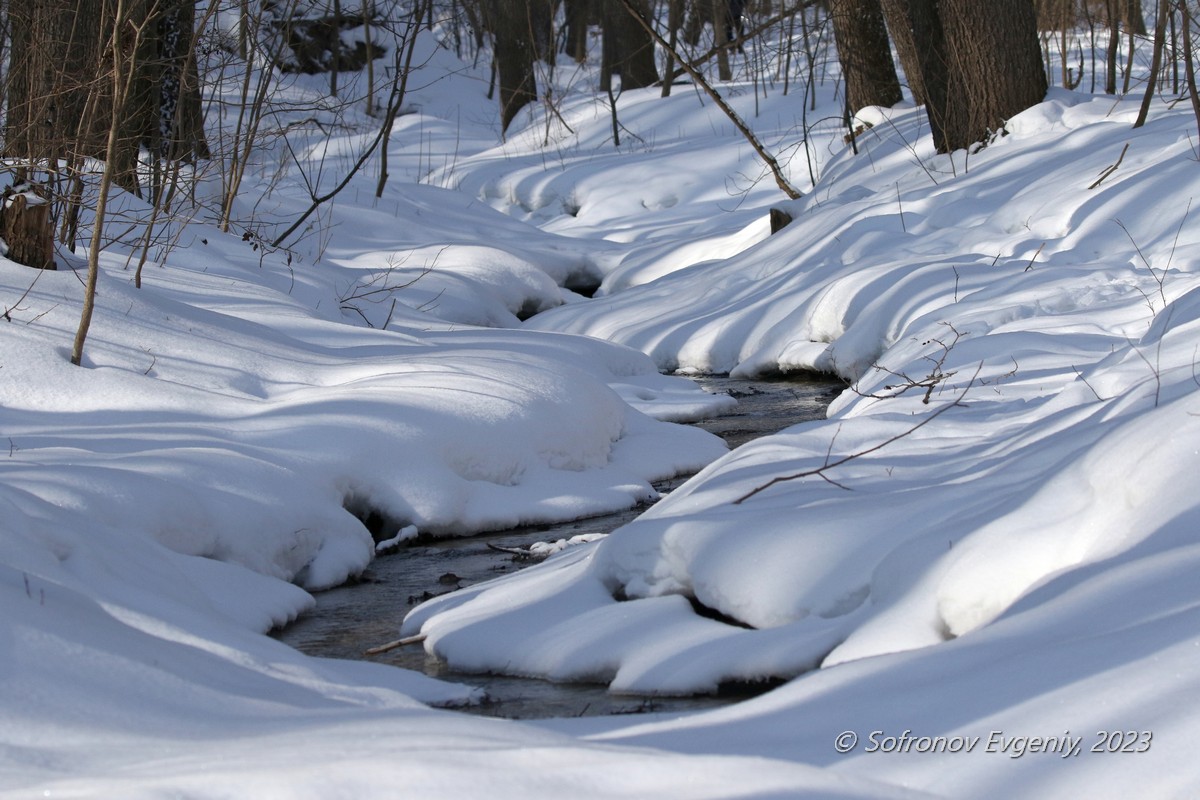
{"type": "Point", "coordinates": [1010, 467]}
{"type": "Point", "coordinates": [994, 536]}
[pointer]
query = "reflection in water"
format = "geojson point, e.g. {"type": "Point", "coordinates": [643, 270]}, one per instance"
{"type": "Point", "coordinates": [351, 618]}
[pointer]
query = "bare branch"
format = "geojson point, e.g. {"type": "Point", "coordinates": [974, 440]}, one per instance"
{"type": "Point", "coordinates": [820, 471]}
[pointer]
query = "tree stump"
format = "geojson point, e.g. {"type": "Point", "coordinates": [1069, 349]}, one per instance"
{"type": "Point", "coordinates": [779, 219]}
{"type": "Point", "coordinates": [26, 227]}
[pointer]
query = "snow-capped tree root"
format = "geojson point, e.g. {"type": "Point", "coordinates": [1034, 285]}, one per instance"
{"type": "Point", "coordinates": [829, 465]}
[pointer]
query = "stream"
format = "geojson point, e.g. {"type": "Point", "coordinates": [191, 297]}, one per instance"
{"type": "Point", "coordinates": [351, 618]}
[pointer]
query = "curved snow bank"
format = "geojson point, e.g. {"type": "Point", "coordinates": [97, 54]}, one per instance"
{"type": "Point", "coordinates": [138, 677]}
{"type": "Point", "coordinates": [240, 426]}
{"type": "Point", "coordinates": [1017, 450]}
{"type": "Point", "coordinates": [899, 233]}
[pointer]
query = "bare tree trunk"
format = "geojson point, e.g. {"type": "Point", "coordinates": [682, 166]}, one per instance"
{"type": "Point", "coordinates": [1189, 60]}
{"type": "Point", "coordinates": [1135, 18]}
{"type": "Point", "coordinates": [988, 61]}
{"type": "Point", "coordinates": [899, 25]}
{"type": "Point", "coordinates": [699, 13]}
{"type": "Point", "coordinates": [674, 23]}
{"type": "Point", "coordinates": [1160, 29]}
{"type": "Point", "coordinates": [60, 110]}
{"type": "Point", "coordinates": [54, 47]}
{"type": "Point", "coordinates": [721, 39]}
{"type": "Point", "coordinates": [121, 76]}
{"type": "Point", "coordinates": [630, 48]}
{"type": "Point", "coordinates": [1114, 44]}
{"type": "Point", "coordinates": [514, 58]}
{"type": "Point", "coordinates": [577, 13]}
{"type": "Point", "coordinates": [182, 110]}
{"type": "Point", "coordinates": [864, 53]}
{"type": "Point", "coordinates": [939, 82]}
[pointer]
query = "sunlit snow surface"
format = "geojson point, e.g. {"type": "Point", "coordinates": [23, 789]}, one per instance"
{"type": "Point", "coordinates": [1021, 565]}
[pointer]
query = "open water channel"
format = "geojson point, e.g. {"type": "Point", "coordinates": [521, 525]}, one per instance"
{"type": "Point", "coordinates": [352, 618]}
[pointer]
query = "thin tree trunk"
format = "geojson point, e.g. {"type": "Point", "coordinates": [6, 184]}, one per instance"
{"type": "Point", "coordinates": [514, 59]}
{"type": "Point", "coordinates": [1155, 63]}
{"type": "Point", "coordinates": [674, 22]}
{"type": "Point", "coordinates": [121, 79]}
{"type": "Point", "coordinates": [1114, 44]}
{"type": "Point", "coordinates": [721, 39]}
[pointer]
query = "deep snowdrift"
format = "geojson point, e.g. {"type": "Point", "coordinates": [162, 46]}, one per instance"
{"type": "Point", "coordinates": [1012, 466]}
{"type": "Point", "coordinates": [1013, 558]}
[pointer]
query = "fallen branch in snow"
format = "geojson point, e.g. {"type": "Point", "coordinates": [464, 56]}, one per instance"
{"type": "Point", "coordinates": [828, 465]}
{"type": "Point", "coordinates": [1109, 170]}
{"type": "Point", "coordinates": [512, 551]}
{"type": "Point", "coordinates": [929, 382]}
{"type": "Point", "coordinates": [383, 648]}
{"type": "Point", "coordinates": [1037, 253]}
{"type": "Point", "coordinates": [539, 551]}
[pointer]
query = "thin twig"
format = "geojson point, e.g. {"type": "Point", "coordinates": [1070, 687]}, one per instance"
{"type": "Point", "coordinates": [820, 471]}
{"type": "Point", "coordinates": [16, 306]}
{"type": "Point", "coordinates": [1109, 170]}
{"type": "Point", "coordinates": [1035, 255]}
{"type": "Point", "coordinates": [1081, 377]}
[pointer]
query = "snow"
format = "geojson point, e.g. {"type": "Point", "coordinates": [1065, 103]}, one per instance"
{"type": "Point", "coordinates": [991, 538]}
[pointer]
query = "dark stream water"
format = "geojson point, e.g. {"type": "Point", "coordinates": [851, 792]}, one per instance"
{"type": "Point", "coordinates": [350, 619]}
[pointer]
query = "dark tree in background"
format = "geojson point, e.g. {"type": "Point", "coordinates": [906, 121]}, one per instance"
{"type": "Point", "coordinates": [514, 55]}
{"type": "Point", "coordinates": [1135, 18]}
{"type": "Point", "coordinates": [864, 53]}
{"type": "Point", "coordinates": [628, 50]}
{"type": "Point", "coordinates": [54, 58]}
{"type": "Point", "coordinates": [938, 81]}
{"type": "Point", "coordinates": [576, 14]}
{"type": "Point", "coordinates": [60, 108]}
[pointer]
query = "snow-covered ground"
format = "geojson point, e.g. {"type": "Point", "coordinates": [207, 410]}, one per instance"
{"type": "Point", "coordinates": [980, 569]}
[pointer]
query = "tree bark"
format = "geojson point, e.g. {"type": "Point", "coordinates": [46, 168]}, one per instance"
{"type": "Point", "coordinates": [1002, 63]}
{"type": "Point", "coordinates": [864, 53]}
{"type": "Point", "coordinates": [938, 81]}
{"type": "Point", "coordinates": [577, 14]}
{"type": "Point", "coordinates": [514, 58]}
{"type": "Point", "coordinates": [980, 65]}
{"type": "Point", "coordinates": [1155, 62]}
{"type": "Point", "coordinates": [899, 25]}
{"type": "Point", "coordinates": [55, 57]}
{"type": "Point", "coordinates": [1114, 44]}
{"type": "Point", "coordinates": [720, 9]}
{"type": "Point", "coordinates": [61, 107]}
{"type": "Point", "coordinates": [630, 50]}
{"type": "Point", "coordinates": [181, 111]}
{"type": "Point", "coordinates": [26, 227]}
{"type": "Point", "coordinates": [1135, 18]}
